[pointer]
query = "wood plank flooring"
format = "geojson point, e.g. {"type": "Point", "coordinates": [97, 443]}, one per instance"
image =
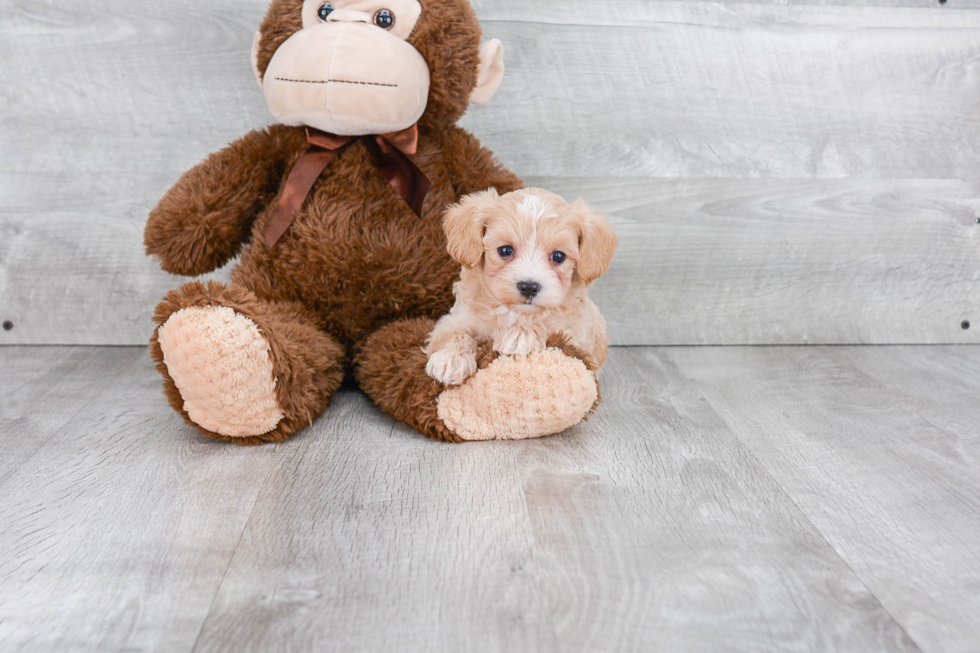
{"type": "Point", "coordinates": [723, 499]}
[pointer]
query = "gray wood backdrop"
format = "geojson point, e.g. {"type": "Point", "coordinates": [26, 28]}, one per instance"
{"type": "Point", "coordinates": [779, 172]}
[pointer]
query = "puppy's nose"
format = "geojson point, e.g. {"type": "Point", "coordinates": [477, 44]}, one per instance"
{"type": "Point", "coordinates": [529, 288]}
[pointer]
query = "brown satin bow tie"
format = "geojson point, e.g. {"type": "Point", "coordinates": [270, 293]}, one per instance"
{"type": "Point", "coordinates": [390, 152]}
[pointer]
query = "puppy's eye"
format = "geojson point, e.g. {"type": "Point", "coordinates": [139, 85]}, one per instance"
{"type": "Point", "coordinates": [558, 257]}
{"type": "Point", "coordinates": [506, 251]}
{"type": "Point", "coordinates": [324, 11]}
{"type": "Point", "coordinates": [384, 19]}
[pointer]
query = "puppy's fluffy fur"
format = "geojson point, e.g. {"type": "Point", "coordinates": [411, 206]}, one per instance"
{"type": "Point", "coordinates": [528, 258]}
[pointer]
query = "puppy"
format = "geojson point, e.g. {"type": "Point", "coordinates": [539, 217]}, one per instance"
{"type": "Point", "coordinates": [528, 258]}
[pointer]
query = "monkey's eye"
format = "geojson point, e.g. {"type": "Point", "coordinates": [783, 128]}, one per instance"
{"type": "Point", "coordinates": [384, 19]}
{"type": "Point", "coordinates": [324, 11]}
{"type": "Point", "coordinates": [506, 251]}
{"type": "Point", "coordinates": [558, 257]}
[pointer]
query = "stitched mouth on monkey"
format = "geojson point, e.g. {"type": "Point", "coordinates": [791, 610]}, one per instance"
{"type": "Point", "coordinates": [335, 81]}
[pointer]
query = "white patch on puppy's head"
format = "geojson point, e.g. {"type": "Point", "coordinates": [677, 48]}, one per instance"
{"type": "Point", "coordinates": [535, 207]}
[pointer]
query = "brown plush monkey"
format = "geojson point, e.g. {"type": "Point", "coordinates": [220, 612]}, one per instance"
{"type": "Point", "coordinates": [338, 273]}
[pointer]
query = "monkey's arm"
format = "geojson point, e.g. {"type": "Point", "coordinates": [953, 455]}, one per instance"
{"type": "Point", "coordinates": [475, 168]}
{"type": "Point", "coordinates": [203, 221]}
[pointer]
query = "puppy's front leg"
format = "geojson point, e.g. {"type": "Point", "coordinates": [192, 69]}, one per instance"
{"type": "Point", "coordinates": [452, 355]}
{"type": "Point", "coordinates": [518, 341]}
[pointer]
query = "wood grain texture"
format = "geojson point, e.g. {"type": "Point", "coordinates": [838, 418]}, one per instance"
{"type": "Point", "coordinates": [374, 539]}
{"type": "Point", "coordinates": [655, 529]}
{"type": "Point", "coordinates": [700, 262]}
{"type": "Point", "coordinates": [103, 106]}
{"type": "Point", "coordinates": [787, 262]}
{"type": "Point", "coordinates": [953, 387]}
{"type": "Point", "coordinates": [625, 7]}
{"type": "Point", "coordinates": [43, 392]}
{"type": "Point", "coordinates": [883, 462]}
{"type": "Point", "coordinates": [735, 499]}
{"type": "Point", "coordinates": [117, 530]}
{"type": "Point", "coordinates": [692, 89]}
{"type": "Point", "coordinates": [573, 544]}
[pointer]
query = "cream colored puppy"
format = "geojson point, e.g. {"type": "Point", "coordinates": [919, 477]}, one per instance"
{"type": "Point", "coordinates": [528, 258]}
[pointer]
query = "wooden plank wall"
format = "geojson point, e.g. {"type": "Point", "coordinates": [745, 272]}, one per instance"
{"type": "Point", "coordinates": [801, 172]}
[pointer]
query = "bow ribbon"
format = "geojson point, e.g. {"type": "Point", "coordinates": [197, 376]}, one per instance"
{"type": "Point", "coordinates": [390, 152]}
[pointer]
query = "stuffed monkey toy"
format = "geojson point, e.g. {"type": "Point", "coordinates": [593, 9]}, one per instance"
{"type": "Point", "coordinates": [336, 215]}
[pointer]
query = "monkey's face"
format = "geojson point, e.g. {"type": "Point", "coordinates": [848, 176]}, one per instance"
{"type": "Point", "coordinates": [350, 70]}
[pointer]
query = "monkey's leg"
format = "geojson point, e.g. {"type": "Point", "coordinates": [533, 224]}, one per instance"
{"type": "Point", "coordinates": [509, 398]}
{"type": "Point", "coordinates": [241, 369]}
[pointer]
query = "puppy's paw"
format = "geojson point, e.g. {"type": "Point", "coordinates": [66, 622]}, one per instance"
{"type": "Point", "coordinates": [450, 367]}
{"type": "Point", "coordinates": [517, 342]}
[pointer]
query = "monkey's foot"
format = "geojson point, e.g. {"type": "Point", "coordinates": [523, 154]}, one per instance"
{"type": "Point", "coordinates": [520, 397]}
{"type": "Point", "coordinates": [222, 366]}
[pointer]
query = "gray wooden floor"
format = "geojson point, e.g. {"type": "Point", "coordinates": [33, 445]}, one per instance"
{"type": "Point", "coordinates": [736, 499]}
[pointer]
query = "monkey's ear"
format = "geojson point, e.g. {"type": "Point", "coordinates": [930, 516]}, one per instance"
{"type": "Point", "coordinates": [465, 224]}
{"type": "Point", "coordinates": [491, 71]}
{"type": "Point", "coordinates": [597, 242]}
{"type": "Point", "coordinates": [256, 42]}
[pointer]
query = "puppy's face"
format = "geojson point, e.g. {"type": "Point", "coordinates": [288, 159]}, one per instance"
{"type": "Point", "coordinates": [529, 252]}
{"type": "Point", "coordinates": [532, 245]}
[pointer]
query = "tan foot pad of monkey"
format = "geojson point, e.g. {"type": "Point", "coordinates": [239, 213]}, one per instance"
{"type": "Point", "coordinates": [554, 394]}
{"type": "Point", "coordinates": [336, 214]}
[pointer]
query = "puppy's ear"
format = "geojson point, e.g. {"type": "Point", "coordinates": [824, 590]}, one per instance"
{"type": "Point", "coordinates": [596, 242]}
{"type": "Point", "coordinates": [465, 224]}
